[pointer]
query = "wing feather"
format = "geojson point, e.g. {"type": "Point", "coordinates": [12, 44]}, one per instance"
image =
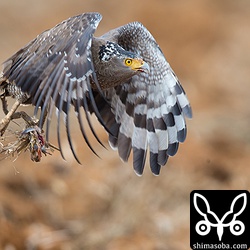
{"type": "Point", "coordinates": [150, 110]}
{"type": "Point", "coordinates": [67, 122]}
{"type": "Point", "coordinates": [53, 66]}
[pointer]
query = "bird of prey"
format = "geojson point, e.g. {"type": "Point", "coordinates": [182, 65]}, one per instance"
{"type": "Point", "coordinates": [122, 77]}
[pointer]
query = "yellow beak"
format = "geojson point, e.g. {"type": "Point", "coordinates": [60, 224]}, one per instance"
{"type": "Point", "coordinates": [139, 65]}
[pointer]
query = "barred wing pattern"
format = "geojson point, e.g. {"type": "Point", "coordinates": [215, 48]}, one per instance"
{"type": "Point", "coordinates": [149, 110]}
{"type": "Point", "coordinates": [55, 70]}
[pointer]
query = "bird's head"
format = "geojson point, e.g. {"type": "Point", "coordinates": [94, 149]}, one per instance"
{"type": "Point", "coordinates": [118, 64]}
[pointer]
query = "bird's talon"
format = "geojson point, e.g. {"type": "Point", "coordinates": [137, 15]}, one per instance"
{"type": "Point", "coordinates": [37, 145]}
{"type": "Point", "coordinates": [30, 139]}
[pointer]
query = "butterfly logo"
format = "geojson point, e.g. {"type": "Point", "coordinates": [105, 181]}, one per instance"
{"type": "Point", "coordinates": [203, 227]}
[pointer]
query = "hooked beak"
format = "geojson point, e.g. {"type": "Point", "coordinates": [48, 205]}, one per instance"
{"type": "Point", "coordinates": [141, 66]}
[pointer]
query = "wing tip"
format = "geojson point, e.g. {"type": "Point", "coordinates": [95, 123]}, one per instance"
{"type": "Point", "coordinates": [187, 110]}
{"type": "Point", "coordinates": [139, 158]}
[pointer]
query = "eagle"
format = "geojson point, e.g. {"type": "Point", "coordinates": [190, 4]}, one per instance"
{"type": "Point", "coordinates": [122, 77]}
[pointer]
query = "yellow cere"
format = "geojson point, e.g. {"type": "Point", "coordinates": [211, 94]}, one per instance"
{"type": "Point", "coordinates": [134, 63]}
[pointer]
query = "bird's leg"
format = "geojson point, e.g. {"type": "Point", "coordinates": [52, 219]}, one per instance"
{"type": "Point", "coordinates": [30, 138]}
{"type": "Point", "coordinates": [12, 114]}
{"type": "Point", "coordinates": [9, 114]}
{"type": "Point", "coordinates": [4, 104]}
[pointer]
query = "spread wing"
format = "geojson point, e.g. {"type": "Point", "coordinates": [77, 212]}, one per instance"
{"type": "Point", "coordinates": [55, 70]}
{"type": "Point", "coordinates": [149, 111]}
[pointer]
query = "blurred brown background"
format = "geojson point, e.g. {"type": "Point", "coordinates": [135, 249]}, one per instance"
{"type": "Point", "coordinates": [103, 204]}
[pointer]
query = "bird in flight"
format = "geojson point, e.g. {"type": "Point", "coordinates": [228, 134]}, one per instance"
{"type": "Point", "coordinates": [122, 77]}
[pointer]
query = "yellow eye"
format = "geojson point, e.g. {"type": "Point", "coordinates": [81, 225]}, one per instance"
{"type": "Point", "coordinates": [128, 62]}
